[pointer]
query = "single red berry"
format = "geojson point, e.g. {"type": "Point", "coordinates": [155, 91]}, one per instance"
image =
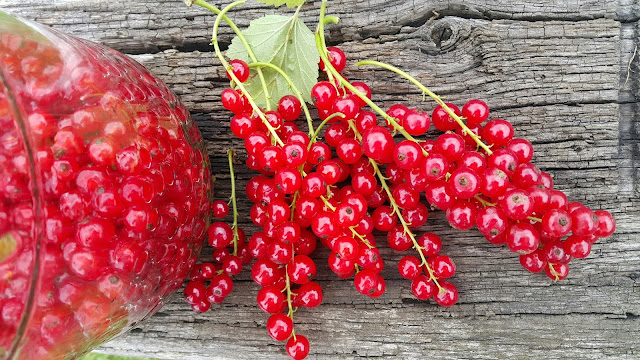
{"type": "Point", "coordinates": [461, 215]}
{"type": "Point", "coordinates": [384, 218]}
{"type": "Point", "coordinates": [417, 216]}
{"type": "Point", "coordinates": [498, 132]}
{"type": "Point", "coordinates": [441, 118]}
{"type": "Point", "coordinates": [279, 326]}
{"type": "Point", "coordinates": [516, 204]}
{"type": "Point", "coordinates": [553, 252]}
{"type": "Point", "coordinates": [289, 107]}
{"type": "Point", "coordinates": [220, 208]}
{"type": "Point", "coordinates": [407, 154]}
{"type": "Point", "coordinates": [378, 144]}
{"type": "Point", "coordinates": [577, 246]}
{"type": "Point", "coordinates": [366, 282]}
{"type": "Point", "coordinates": [557, 272]}
{"type": "Point", "coordinates": [522, 238]}
{"type": "Point", "coordinates": [423, 288]}
{"type": "Point", "coordinates": [195, 292]}
{"type": "Point", "coordinates": [240, 69]}
{"type": "Point", "coordinates": [522, 148]}
{"type": "Point", "coordinates": [416, 123]}
{"type": "Point", "coordinates": [398, 240]}
{"type": "Point", "coordinates": [323, 94]}
{"type": "Point", "coordinates": [475, 111]}
{"type": "Point", "coordinates": [491, 222]}
{"type": "Point", "coordinates": [297, 347]}
{"type": "Point", "coordinates": [337, 58]}
{"type": "Point", "coordinates": [220, 235]}
{"type": "Point", "coordinates": [450, 145]}
{"type": "Point", "coordinates": [347, 106]}
{"type": "Point", "coordinates": [442, 266]}
{"type": "Point", "coordinates": [606, 224]}
{"type": "Point", "coordinates": [349, 151]}
{"type": "Point", "coordinates": [534, 262]}
{"type": "Point", "coordinates": [309, 295]}
{"type": "Point", "coordinates": [409, 267]}
{"type": "Point", "coordinates": [271, 300]}
{"type": "Point", "coordinates": [302, 269]}
{"type": "Point", "coordinates": [464, 183]}
{"type": "Point", "coordinates": [447, 295]}
{"type": "Point", "coordinates": [364, 89]}
{"type": "Point", "coordinates": [557, 223]}
{"type": "Point", "coordinates": [584, 222]}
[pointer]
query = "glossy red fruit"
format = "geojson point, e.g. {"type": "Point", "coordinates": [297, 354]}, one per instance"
{"type": "Point", "coordinates": [409, 267]}
{"type": "Point", "coordinates": [407, 155]}
{"type": "Point", "coordinates": [323, 94]}
{"type": "Point", "coordinates": [289, 107]}
{"type": "Point", "coordinates": [464, 183]}
{"type": "Point", "coordinates": [498, 132]}
{"type": "Point", "coordinates": [557, 223]}
{"type": "Point", "coordinates": [447, 296]}
{"type": "Point", "coordinates": [516, 204]}
{"type": "Point", "coordinates": [475, 111]}
{"type": "Point", "coordinates": [416, 123]}
{"type": "Point", "coordinates": [461, 215]}
{"type": "Point", "coordinates": [378, 144]}
{"type": "Point", "coordinates": [297, 347]}
{"type": "Point", "coordinates": [584, 222]}
{"type": "Point", "coordinates": [271, 300]}
{"type": "Point", "coordinates": [337, 58]}
{"type": "Point", "coordinates": [310, 295]}
{"type": "Point", "coordinates": [534, 262]}
{"type": "Point", "coordinates": [423, 288]}
{"type": "Point", "coordinates": [441, 118]}
{"type": "Point", "coordinates": [240, 69]}
{"type": "Point", "coordinates": [279, 326]}
{"type": "Point", "coordinates": [522, 238]}
{"type": "Point", "coordinates": [606, 224]}
{"type": "Point", "coordinates": [557, 272]}
{"type": "Point", "coordinates": [366, 282]}
{"type": "Point", "coordinates": [577, 246]}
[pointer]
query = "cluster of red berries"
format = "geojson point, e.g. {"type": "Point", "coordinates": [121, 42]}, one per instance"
{"type": "Point", "coordinates": [360, 179]}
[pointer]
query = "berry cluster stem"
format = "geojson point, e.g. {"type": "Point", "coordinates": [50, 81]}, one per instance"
{"type": "Point", "coordinates": [259, 64]}
{"type": "Point", "coordinates": [225, 64]}
{"type": "Point", "coordinates": [233, 202]}
{"type": "Point", "coordinates": [242, 39]}
{"type": "Point", "coordinates": [331, 71]}
{"type": "Point", "coordinates": [404, 223]}
{"type": "Point", "coordinates": [435, 97]}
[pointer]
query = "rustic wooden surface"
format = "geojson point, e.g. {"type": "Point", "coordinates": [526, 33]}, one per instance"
{"type": "Point", "coordinates": [561, 71]}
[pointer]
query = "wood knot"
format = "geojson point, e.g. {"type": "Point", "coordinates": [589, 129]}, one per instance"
{"type": "Point", "coordinates": [441, 33]}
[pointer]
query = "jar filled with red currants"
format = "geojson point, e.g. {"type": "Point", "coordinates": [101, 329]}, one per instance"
{"type": "Point", "coordinates": [105, 193]}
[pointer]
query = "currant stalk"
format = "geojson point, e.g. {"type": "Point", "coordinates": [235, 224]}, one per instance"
{"type": "Point", "coordinates": [242, 39]}
{"type": "Point", "coordinates": [225, 64]}
{"type": "Point", "coordinates": [405, 226]}
{"type": "Point", "coordinates": [233, 203]}
{"type": "Point", "coordinates": [258, 65]}
{"type": "Point", "coordinates": [322, 50]}
{"type": "Point", "coordinates": [435, 97]}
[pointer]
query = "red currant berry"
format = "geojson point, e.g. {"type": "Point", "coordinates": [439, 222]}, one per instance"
{"type": "Point", "coordinates": [302, 269]}
{"type": "Point", "coordinates": [297, 347]}
{"type": "Point", "coordinates": [407, 154]}
{"type": "Point", "coordinates": [516, 204]}
{"type": "Point", "coordinates": [557, 223]}
{"type": "Point", "coordinates": [423, 288]}
{"type": "Point", "coordinates": [584, 222]}
{"type": "Point", "coordinates": [461, 215]}
{"type": "Point", "coordinates": [416, 123]}
{"type": "Point", "coordinates": [447, 295]}
{"type": "Point", "coordinates": [534, 262]}
{"type": "Point", "coordinates": [498, 132]}
{"type": "Point", "coordinates": [557, 272]}
{"type": "Point", "coordinates": [522, 238]}
{"type": "Point", "coordinates": [240, 69]}
{"type": "Point", "coordinates": [279, 326]}
{"type": "Point", "coordinates": [606, 224]}
{"type": "Point", "coordinates": [441, 118]}
{"type": "Point", "coordinates": [289, 107]}
{"type": "Point", "coordinates": [220, 208]}
{"type": "Point", "coordinates": [337, 58]}
{"type": "Point", "coordinates": [475, 111]}
{"type": "Point", "coordinates": [577, 246]}
{"type": "Point", "coordinates": [323, 94]}
{"type": "Point", "coordinates": [271, 300]}
{"type": "Point", "coordinates": [409, 267]}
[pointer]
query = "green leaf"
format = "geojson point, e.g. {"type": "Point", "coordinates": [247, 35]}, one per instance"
{"type": "Point", "coordinates": [285, 42]}
{"type": "Point", "coordinates": [276, 3]}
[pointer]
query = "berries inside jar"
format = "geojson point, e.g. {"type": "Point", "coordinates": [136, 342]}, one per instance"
{"type": "Point", "coordinates": [104, 192]}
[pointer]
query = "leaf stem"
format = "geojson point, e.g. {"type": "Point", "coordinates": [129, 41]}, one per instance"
{"type": "Point", "coordinates": [225, 64]}
{"type": "Point", "coordinates": [233, 202]}
{"type": "Point", "coordinates": [244, 42]}
{"type": "Point", "coordinates": [435, 97]}
{"type": "Point", "coordinates": [307, 114]}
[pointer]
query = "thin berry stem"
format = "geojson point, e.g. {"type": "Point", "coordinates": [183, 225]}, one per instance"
{"type": "Point", "coordinates": [233, 203]}
{"type": "Point", "coordinates": [225, 64]}
{"type": "Point", "coordinates": [322, 124]}
{"type": "Point", "coordinates": [259, 64]}
{"type": "Point", "coordinates": [322, 50]}
{"type": "Point", "coordinates": [289, 293]}
{"type": "Point", "coordinates": [404, 223]}
{"type": "Point", "coordinates": [242, 39]}
{"type": "Point", "coordinates": [435, 97]}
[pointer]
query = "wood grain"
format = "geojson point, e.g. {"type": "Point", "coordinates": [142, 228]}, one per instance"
{"type": "Point", "coordinates": [562, 72]}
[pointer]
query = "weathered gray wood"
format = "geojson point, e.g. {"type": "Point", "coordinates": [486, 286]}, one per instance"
{"type": "Point", "coordinates": [556, 69]}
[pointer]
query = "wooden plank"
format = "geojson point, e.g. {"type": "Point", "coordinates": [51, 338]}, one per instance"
{"type": "Point", "coordinates": [150, 25]}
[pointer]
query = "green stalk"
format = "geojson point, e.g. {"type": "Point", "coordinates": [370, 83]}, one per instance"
{"type": "Point", "coordinates": [258, 65]}
{"type": "Point", "coordinates": [322, 50]}
{"type": "Point", "coordinates": [233, 203]}
{"type": "Point", "coordinates": [225, 64]}
{"type": "Point", "coordinates": [435, 97]}
{"type": "Point", "coordinates": [242, 39]}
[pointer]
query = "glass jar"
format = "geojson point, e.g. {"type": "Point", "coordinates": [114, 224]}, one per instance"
{"type": "Point", "coordinates": [104, 193]}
